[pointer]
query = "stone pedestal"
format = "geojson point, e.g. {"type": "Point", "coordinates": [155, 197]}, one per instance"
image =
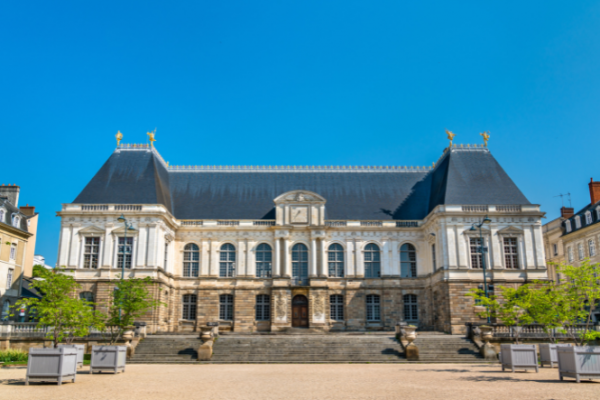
{"type": "Point", "coordinates": [412, 352]}
{"type": "Point", "coordinates": [205, 351]}
{"type": "Point", "coordinates": [489, 352]}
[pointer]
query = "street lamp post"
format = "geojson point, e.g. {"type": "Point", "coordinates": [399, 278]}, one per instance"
{"type": "Point", "coordinates": [127, 227]}
{"type": "Point", "coordinates": [483, 250]}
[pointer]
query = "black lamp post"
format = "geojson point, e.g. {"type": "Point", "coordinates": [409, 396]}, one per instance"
{"type": "Point", "coordinates": [125, 249]}
{"type": "Point", "coordinates": [482, 250]}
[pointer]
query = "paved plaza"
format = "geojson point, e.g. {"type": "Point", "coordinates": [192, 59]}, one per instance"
{"type": "Point", "coordinates": [304, 381]}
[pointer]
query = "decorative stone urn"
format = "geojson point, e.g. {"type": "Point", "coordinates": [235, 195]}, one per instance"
{"type": "Point", "coordinates": [409, 333]}
{"type": "Point", "coordinates": [487, 333]}
{"type": "Point", "coordinates": [128, 333]}
{"type": "Point", "coordinates": [206, 333]}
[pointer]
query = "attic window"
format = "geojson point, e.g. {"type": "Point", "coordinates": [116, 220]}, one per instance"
{"type": "Point", "coordinates": [588, 218]}
{"type": "Point", "coordinates": [2, 215]}
{"type": "Point", "coordinates": [16, 220]}
{"type": "Point", "coordinates": [568, 225]}
{"type": "Point", "coordinates": [577, 222]}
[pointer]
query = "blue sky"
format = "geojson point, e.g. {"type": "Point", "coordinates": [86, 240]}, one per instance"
{"type": "Point", "coordinates": [311, 82]}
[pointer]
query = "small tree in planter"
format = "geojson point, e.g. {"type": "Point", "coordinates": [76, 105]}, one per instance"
{"type": "Point", "coordinates": [549, 308]}
{"type": "Point", "coordinates": [131, 299]}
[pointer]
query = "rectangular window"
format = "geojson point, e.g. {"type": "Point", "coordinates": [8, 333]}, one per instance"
{"type": "Point", "coordinates": [588, 218]}
{"type": "Point", "coordinates": [476, 256]}
{"type": "Point", "coordinates": [580, 251]}
{"type": "Point", "coordinates": [555, 249]}
{"type": "Point", "coordinates": [568, 226]}
{"type": "Point", "coordinates": [577, 222]}
{"type": "Point", "coordinates": [263, 307]}
{"type": "Point", "coordinates": [90, 252]}
{"type": "Point", "coordinates": [570, 254]}
{"type": "Point", "coordinates": [9, 278]}
{"type": "Point", "coordinates": [189, 307]}
{"type": "Point", "coordinates": [13, 252]}
{"type": "Point", "coordinates": [433, 261]}
{"type": "Point", "coordinates": [166, 260]}
{"type": "Point", "coordinates": [226, 307]}
{"type": "Point", "coordinates": [511, 257]}
{"type": "Point", "coordinates": [411, 309]}
{"type": "Point", "coordinates": [373, 308]}
{"type": "Point", "coordinates": [336, 307]}
{"type": "Point", "coordinates": [592, 247]}
{"type": "Point", "coordinates": [125, 246]}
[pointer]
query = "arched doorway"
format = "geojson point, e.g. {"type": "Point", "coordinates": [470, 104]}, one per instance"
{"type": "Point", "coordinates": [300, 311]}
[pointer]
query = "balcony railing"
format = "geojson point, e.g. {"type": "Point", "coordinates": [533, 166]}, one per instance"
{"type": "Point", "coordinates": [371, 223]}
{"type": "Point", "coordinates": [335, 223]}
{"type": "Point", "coordinates": [128, 207]}
{"type": "Point", "coordinates": [407, 224]}
{"type": "Point", "coordinates": [475, 208]}
{"type": "Point", "coordinates": [508, 209]}
{"type": "Point", "coordinates": [299, 281]}
{"type": "Point", "coordinates": [192, 223]}
{"type": "Point", "coordinates": [94, 208]}
{"type": "Point", "coordinates": [263, 223]}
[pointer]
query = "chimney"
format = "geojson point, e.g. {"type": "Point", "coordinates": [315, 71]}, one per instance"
{"type": "Point", "coordinates": [594, 191]}
{"type": "Point", "coordinates": [11, 192]}
{"type": "Point", "coordinates": [27, 210]}
{"type": "Point", "coordinates": [567, 212]}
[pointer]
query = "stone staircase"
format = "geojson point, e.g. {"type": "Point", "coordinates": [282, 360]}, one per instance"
{"type": "Point", "coordinates": [167, 349]}
{"type": "Point", "coordinates": [440, 348]}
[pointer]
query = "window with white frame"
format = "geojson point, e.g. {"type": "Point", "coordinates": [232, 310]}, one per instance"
{"type": "Point", "coordinates": [592, 247]}
{"type": "Point", "coordinates": [580, 252]}
{"type": "Point", "coordinates": [555, 249]}
{"type": "Point", "coordinates": [5, 310]}
{"type": "Point", "coordinates": [227, 261]}
{"type": "Point", "coordinates": [300, 263]}
{"type": "Point", "coordinates": [433, 259]}
{"type": "Point", "coordinates": [191, 260]}
{"type": "Point", "coordinates": [372, 261]}
{"type": "Point", "coordinates": [9, 278]}
{"type": "Point", "coordinates": [476, 255]}
{"type": "Point", "coordinates": [16, 220]}
{"type": "Point", "coordinates": [568, 226]}
{"type": "Point", "coordinates": [511, 255]}
{"type": "Point", "coordinates": [570, 254]}
{"type": "Point", "coordinates": [13, 251]}
{"type": "Point", "coordinates": [263, 307]}
{"type": "Point", "coordinates": [411, 310]}
{"type": "Point", "coordinates": [335, 257]}
{"type": "Point", "coordinates": [588, 218]}
{"type": "Point", "coordinates": [2, 214]}
{"type": "Point", "coordinates": [408, 261]}
{"type": "Point", "coordinates": [336, 307]}
{"type": "Point", "coordinates": [226, 307]}
{"type": "Point", "coordinates": [91, 251]}
{"type": "Point", "coordinates": [577, 222]}
{"type": "Point", "coordinates": [124, 252]}
{"type": "Point", "coordinates": [373, 308]}
{"type": "Point", "coordinates": [189, 307]}
{"type": "Point", "coordinates": [264, 259]}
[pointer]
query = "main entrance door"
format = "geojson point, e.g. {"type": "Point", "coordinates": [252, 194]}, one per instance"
{"type": "Point", "coordinates": [300, 311]}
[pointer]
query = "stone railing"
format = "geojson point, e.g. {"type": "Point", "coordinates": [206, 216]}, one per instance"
{"type": "Point", "coordinates": [533, 331]}
{"type": "Point", "coordinates": [263, 223]}
{"type": "Point", "coordinates": [94, 208]}
{"type": "Point", "coordinates": [336, 223]}
{"type": "Point", "coordinates": [228, 223]}
{"type": "Point", "coordinates": [192, 223]}
{"type": "Point", "coordinates": [111, 207]}
{"type": "Point", "coordinates": [10, 329]}
{"type": "Point", "coordinates": [475, 208]}
{"type": "Point", "coordinates": [371, 223]}
{"type": "Point", "coordinates": [127, 207]}
{"type": "Point", "coordinates": [407, 224]}
{"type": "Point", "coordinates": [508, 209]}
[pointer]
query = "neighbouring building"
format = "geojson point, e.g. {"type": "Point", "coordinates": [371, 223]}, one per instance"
{"type": "Point", "coordinates": [267, 248]}
{"type": "Point", "coordinates": [18, 227]}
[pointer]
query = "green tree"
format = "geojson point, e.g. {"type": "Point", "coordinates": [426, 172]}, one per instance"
{"type": "Point", "coordinates": [38, 270]}
{"type": "Point", "coordinates": [549, 308]}
{"type": "Point", "coordinates": [131, 299]}
{"type": "Point", "coordinates": [58, 308]}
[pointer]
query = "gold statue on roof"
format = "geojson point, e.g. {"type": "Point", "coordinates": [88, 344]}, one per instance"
{"type": "Point", "coordinates": [486, 137]}
{"type": "Point", "coordinates": [151, 136]}
{"type": "Point", "coordinates": [450, 136]}
{"type": "Point", "coordinates": [119, 137]}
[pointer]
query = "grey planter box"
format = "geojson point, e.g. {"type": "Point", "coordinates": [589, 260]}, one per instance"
{"type": "Point", "coordinates": [108, 358]}
{"type": "Point", "coordinates": [51, 365]}
{"type": "Point", "coordinates": [578, 362]}
{"type": "Point", "coordinates": [80, 351]}
{"type": "Point", "coordinates": [548, 354]}
{"type": "Point", "coordinates": [521, 356]}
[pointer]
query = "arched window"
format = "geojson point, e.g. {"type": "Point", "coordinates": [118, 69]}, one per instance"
{"type": "Point", "coordinates": [191, 260]}
{"type": "Point", "coordinates": [5, 310]}
{"type": "Point", "coordinates": [372, 261]}
{"type": "Point", "coordinates": [408, 261]}
{"type": "Point", "coordinates": [335, 257]}
{"type": "Point", "coordinates": [264, 257]}
{"type": "Point", "coordinates": [226, 307]}
{"type": "Point", "coordinates": [189, 307]}
{"type": "Point", "coordinates": [336, 304]}
{"type": "Point", "coordinates": [410, 307]}
{"type": "Point", "coordinates": [300, 264]}
{"type": "Point", "coordinates": [373, 308]}
{"type": "Point", "coordinates": [263, 307]}
{"type": "Point", "coordinates": [227, 261]}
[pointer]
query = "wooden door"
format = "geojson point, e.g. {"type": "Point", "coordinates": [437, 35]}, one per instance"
{"type": "Point", "coordinates": [300, 312]}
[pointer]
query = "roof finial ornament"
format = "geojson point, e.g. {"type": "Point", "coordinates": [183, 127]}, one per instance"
{"type": "Point", "coordinates": [151, 136]}
{"type": "Point", "coordinates": [486, 137]}
{"type": "Point", "coordinates": [119, 137]}
{"type": "Point", "coordinates": [450, 136]}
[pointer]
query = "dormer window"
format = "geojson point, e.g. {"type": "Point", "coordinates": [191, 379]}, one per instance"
{"type": "Point", "coordinates": [568, 226]}
{"type": "Point", "coordinates": [16, 220]}
{"type": "Point", "coordinates": [577, 222]}
{"type": "Point", "coordinates": [2, 213]}
{"type": "Point", "coordinates": [588, 218]}
{"type": "Point", "coordinates": [598, 213]}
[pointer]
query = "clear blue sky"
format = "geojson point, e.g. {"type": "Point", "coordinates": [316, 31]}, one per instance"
{"type": "Point", "coordinates": [304, 82]}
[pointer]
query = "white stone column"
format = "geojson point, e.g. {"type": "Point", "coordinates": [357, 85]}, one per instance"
{"type": "Point", "coordinates": [360, 264]}
{"type": "Point", "coordinates": [324, 261]}
{"type": "Point", "coordinates": [65, 241]}
{"type": "Point", "coordinates": [349, 263]}
{"type": "Point", "coordinates": [75, 245]}
{"type": "Point", "coordinates": [312, 271]}
{"type": "Point", "coordinates": [204, 257]}
{"type": "Point", "coordinates": [240, 258]}
{"type": "Point", "coordinates": [395, 268]}
{"type": "Point", "coordinates": [106, 258]}
{"type": "Point", "coordinates": [529, 252]}
{"type": "Point", "coordinates": [251, 258]}
{"type": "Point", "coordinates": [386, 269]}
{"type": "Point", "coordinates": [452, 256]}
{"type": "Point", "coordinates": [495, 248]}
{"type": "Point", "coordinates": [444, 260]}
{"type": "Point", "coordinates": [141, 251]}
{"type": "Point", "coordinates": [277, 258]}
{"type": "Point", "coordinates": [214, 258]}
{"type": "Point", "coordinates": [540, 261]}
{"type": "Point", "coordinates": [287, 265]}
{"type": "Point", "coordinates": [152, 241]}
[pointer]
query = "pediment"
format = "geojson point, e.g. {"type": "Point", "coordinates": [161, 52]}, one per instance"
{"type": "Point", "coordinates": [91, 230]}
{"type": "Point", "coordinates": [121, 231]}
{"type": "Point", "coordinates": [510, 230]}
{"type": "Point", "coordinates": [299, 196]}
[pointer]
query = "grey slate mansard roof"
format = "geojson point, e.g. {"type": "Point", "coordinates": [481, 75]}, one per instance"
{"type": "Point", "coordinates": [10, 210]}
{"type": "Point", "coordinates": [462, 176]}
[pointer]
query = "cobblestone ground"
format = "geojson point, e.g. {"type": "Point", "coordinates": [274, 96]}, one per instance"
{"type": "Point", "coordinates": [312, 381]}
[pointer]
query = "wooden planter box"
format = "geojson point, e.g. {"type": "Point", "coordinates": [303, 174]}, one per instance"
{"type": "Point", "coordinates": [521, 356]}
{"type": "Point", "coordinates": [51, 365]}
{"type": "Point", "coordinates": [548, 354]}
{"type": "Point", "coordinates": [80, 351]}
{"type": "Point", "coordinates": [578, 362]}
{"type": "Point", "coordinates": [108, 358]}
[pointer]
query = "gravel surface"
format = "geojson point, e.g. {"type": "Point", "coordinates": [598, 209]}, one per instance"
{"type": "Point", "coordinates": [304, 381]}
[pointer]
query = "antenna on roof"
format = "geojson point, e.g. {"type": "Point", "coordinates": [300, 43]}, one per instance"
{"type": "Point", "coordinates": [562, 199]}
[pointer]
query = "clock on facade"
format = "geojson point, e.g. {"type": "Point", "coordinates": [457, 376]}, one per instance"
{"type": "Point", "coordinates": [299, 214]}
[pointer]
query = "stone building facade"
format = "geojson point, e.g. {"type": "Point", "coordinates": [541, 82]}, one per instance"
{"type": "Point", "coordinates": [329, 248]}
